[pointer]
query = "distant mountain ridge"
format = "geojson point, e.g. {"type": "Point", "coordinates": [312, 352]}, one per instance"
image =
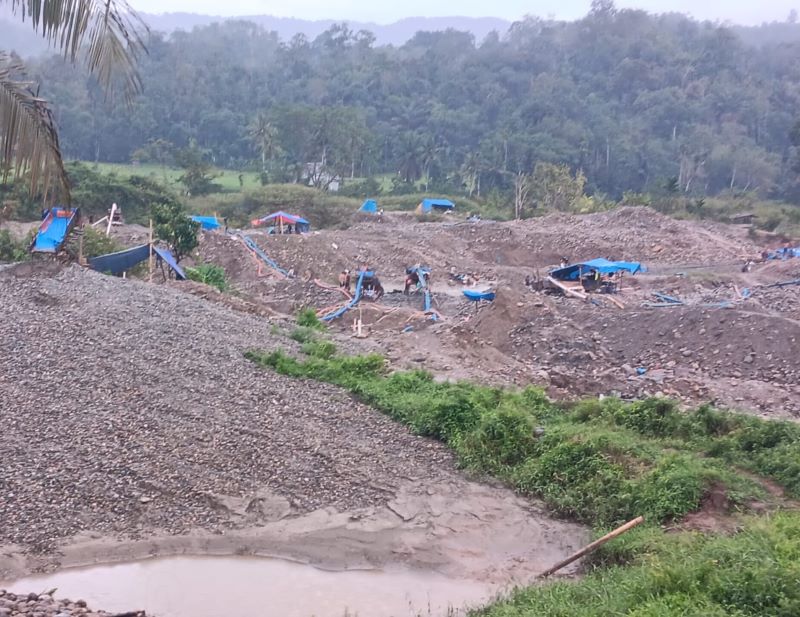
{"type": "Point", "coordinates": [395, 33]}
{"type": "Point", "coordinates": [20, 38]}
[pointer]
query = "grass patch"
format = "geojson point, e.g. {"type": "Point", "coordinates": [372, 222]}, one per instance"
{"type": "Point", "coordinates": [753, 573]}
{"type": "Point", "coordinates": [208, 274]}
{"type": "Point", "coordinates": [599, 462]}
{"type": "Point", "coordinates": [602, 463]}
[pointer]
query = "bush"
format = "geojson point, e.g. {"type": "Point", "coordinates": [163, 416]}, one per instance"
{"type": "Point", "coordinates": [10, 249]}
{"type": "Point", "coordinates": [307, 318]}
{"type": "Point", "coordinates": [208, 274]}
{"type": "Point", "coordinates": [319, 349]}
{"type": "Point", "coordinates": [303, 334]}
{"type": "Point", "coordinates": [96, 243]}
{"type": "Point", "coordinates": [503, 438]}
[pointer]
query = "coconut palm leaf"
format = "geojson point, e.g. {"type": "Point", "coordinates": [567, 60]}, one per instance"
{"type": "Point", "coordinates": [106, 34]}
{"type": "Point", "coordinates": [28, 137]}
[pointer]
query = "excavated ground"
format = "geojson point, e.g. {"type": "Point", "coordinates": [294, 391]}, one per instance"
{"type": "Point", "coordinates": [739, 357]}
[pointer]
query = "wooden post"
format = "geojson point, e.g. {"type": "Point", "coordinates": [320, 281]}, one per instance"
{"type": "Point", "coordinates": [594, 545]}
{"type": "Point", "coordinates": [150, 260]}
{"type": "Point", "coordinates": [80, 247]}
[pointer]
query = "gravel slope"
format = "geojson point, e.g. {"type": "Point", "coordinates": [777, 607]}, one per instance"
{"type": "Point", "coordinates": [127, 408]}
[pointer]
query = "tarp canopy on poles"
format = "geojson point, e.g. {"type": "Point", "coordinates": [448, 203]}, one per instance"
{"type": "Point", "coordinates": [122, 261]}
{"type": "Point", "coordinates": [283, 218]}
{"type": "Point", "coordinates": [573, 272]}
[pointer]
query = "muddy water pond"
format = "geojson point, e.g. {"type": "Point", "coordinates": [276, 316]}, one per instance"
{"type": "Point", "coordinates": [214, 586]}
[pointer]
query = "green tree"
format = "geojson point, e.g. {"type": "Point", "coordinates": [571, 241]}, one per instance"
{"type": "Point", "coordinates": [553, 187]}
{"type": "Point", "coordinates": [197, 177]}
{"type": "Point", "coordinates": [173, 226]}
{"type": "Point", "coordinates": [264, 137]}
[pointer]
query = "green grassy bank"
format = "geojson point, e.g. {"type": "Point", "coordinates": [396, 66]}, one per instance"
{"type": "Point", "coordinates": [605, 462]}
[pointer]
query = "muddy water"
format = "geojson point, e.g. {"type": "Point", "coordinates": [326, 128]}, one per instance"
{"type": "Point", "coordinates": [214, 586]}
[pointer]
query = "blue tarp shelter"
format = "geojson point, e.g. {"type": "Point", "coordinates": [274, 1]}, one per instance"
{"type": "Point", "coordinates": [209, 223]}
{"type": "Point", "coordinates": [573, 272]}
{"type": "Point", "coordinates": [280, 218]}
{"type": "Point", "coordinates": [427, 206]}
{"type": "Point", "coordinates": [121, 261]}
{"type": "Point", "coordinates": [370, 206]}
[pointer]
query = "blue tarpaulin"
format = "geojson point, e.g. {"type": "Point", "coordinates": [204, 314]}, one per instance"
{"type": "Point", "coordinates": [169, 259]}
{"type": "Point", "coordinates": [603, 266]}
{"type": "Point", "coordinates": [122, 261]}
{"type": "Point", "coordinates": [370, 206]}
{"type": "Point", "coordinates": [54, 229]}
{"type": "Point", "coordinates": [429, 205]}
{"type": "Point", "coordinates": [207, 222]}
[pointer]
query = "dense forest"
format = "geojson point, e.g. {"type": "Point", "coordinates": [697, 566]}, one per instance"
{"type": "Point", "coordinates": [631, 102]}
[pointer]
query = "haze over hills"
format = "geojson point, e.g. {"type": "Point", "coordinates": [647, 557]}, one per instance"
{"type": "Point", "coordinates": [19, 37]}
{"type": "Point", "coordinates": [395, 33]}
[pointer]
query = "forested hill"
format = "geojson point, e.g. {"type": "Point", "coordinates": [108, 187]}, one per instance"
{"type": "Point", "coordinates": [633, 100]}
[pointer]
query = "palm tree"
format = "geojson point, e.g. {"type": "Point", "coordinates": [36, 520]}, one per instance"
{"type": "Point", "coordinates": [264, 137]}
{"type": "Point", "coordinates": [104, 34]}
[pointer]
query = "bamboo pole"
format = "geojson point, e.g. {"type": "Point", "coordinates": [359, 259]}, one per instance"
{"type": "Point", "coordinates": [591, 547]}
{"type": "Point", "coordinates": [151, 264]}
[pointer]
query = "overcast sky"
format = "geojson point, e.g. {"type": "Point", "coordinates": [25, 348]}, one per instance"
{"type": "Point", "coordinates": [739, 11]}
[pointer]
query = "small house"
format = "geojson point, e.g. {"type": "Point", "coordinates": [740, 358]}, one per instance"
{"type": "Point", "coordinates": [747, 218]}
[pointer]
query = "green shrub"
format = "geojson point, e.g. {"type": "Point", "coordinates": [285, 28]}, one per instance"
{"type": "Point", "coordinates": [308, 319]}
{"type": "Point", "coordinates": [303, 334]}
{"type": "Point", "coordinates": [208, 274]}
{"type": "Point", "coordinates": [671, 490]}
{"type": "Point", "coordinates": [96, 243]}
{"type": "Point", "coordinates": [654, 417]}
{"type": "Point", "coordinates": [319, 349]}
{"type": "Point", "coordinates": [577, 480]}
{"type": "Point", "coordinates": [503, 438]}
{"type": "Point", "coordinates": [10, 249]}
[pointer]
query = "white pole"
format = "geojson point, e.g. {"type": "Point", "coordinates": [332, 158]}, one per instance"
{"type": "Point", "coordinates": [111, 219]}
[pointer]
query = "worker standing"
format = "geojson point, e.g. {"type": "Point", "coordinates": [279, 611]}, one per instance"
{"type": "Point", "coordinates": [344, 280]}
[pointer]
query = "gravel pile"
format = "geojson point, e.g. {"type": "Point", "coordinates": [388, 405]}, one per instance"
{"type": "Point", "coordinates": [127, 408]}
{"type": "Point", "coordinates": [35, 605]}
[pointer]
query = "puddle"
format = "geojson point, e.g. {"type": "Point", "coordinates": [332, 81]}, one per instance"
{"type": "Point", "coordinates": [213, 586]}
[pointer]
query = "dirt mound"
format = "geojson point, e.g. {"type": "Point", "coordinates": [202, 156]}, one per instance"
{"type": "Point", "coordinates": [134, 403]}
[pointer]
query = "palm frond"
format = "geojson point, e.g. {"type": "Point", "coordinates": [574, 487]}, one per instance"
{"type": "Point", "coordinates": [28, 137]}
{"type": "Point", "coordinates": [108, 34]}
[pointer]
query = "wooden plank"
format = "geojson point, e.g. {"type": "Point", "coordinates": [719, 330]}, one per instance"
{"type": "Point", "coordinates": [567, 290]}
{"type": "Point", "coordinates": [613, 300]}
